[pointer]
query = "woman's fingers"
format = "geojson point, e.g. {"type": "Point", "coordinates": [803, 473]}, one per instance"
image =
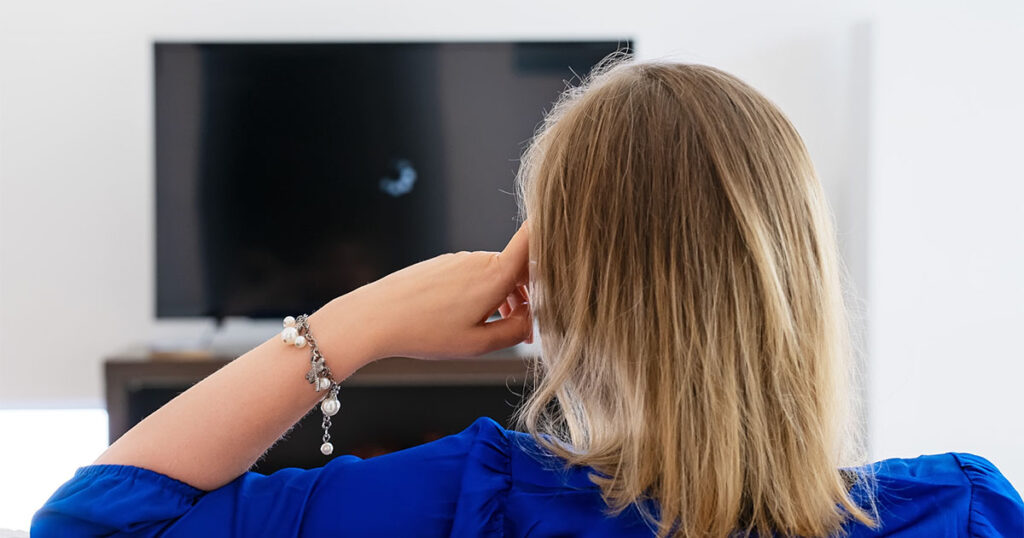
{"type": "Point", "coordinates": [516, 304]}
{"type": "Point", "coordinates": [515, 258]}
{"type": "Point", "coordinates": [522, 302]}
{"type": "Point", "coordinates": [514, 300]}
{"type": "Point", "coordinates": [515, 328]}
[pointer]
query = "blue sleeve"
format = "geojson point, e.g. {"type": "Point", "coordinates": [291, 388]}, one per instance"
{"type": "Point", "coordinates": [104, 500]}
{"type": "Point", "coordinates": [448, 486]}
{"type": "Point", "coordinates": [996, 507]}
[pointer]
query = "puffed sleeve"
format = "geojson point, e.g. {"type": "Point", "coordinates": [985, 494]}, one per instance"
{"type": "Point", "coordinates": [433, 489]}
{"type": "Point", "coordinates": [996, 507]}
{"type": "Point", "coordinates": [104, 500]}
{"type": "Point", "coordinates": [485, 484]}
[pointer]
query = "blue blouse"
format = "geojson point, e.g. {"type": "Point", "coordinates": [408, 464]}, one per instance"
{"type": "Point", "coordinates": [484, 481]}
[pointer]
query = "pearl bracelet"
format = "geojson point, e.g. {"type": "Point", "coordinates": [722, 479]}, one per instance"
{"type": "Point", "coordinates": [296, 333]}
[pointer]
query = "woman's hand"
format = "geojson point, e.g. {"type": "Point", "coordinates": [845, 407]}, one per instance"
{"type": "Point", "coordinates": [438, 308]}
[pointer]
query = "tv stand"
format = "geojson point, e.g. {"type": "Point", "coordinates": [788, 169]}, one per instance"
{"type": "Point", "coordinates": [387, 405]}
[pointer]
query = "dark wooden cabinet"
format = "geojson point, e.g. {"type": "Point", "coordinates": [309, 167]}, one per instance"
{"type": "Point", "coordinates": [388, 405]}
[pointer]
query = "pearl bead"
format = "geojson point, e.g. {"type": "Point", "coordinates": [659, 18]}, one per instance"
{"type": "Point", "coordinates": [331, 406]}
{"type": "Point", "coordinates": [289, 321]}
{"type": "Point", "coordinates": [289, 334]}
{"type": "Point", "coordinates": [324, 383]}
{"type": "Point", "coordinates": [300, 341]}
{"type": "Point", "coordinates": [326, 449]}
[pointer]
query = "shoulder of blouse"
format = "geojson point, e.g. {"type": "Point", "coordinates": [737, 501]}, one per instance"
{"type": "Point", "coordinates": [939, 495]}
{"type": "Point", "coordinates": [996, 508]}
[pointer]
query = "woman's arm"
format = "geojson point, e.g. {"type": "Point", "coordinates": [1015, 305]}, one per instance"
{"type": "Point", "coordinates": [216, 430]}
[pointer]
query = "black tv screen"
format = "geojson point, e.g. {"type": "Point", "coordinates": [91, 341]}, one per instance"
{"type": "Point", "coordinates": [288, 174]}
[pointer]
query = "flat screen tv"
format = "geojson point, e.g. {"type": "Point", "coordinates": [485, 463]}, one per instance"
{"type": "Point", "coordinates": [290, 173]}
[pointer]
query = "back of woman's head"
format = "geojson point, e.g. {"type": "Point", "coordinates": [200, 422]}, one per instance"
{"type": "Point", "coordinates": [687, 291]}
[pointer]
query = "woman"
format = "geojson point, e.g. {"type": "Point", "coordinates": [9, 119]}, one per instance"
{"type": "Point", "coordinates": [681, 267]}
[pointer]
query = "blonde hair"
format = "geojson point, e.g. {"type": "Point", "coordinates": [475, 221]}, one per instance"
{"type": "Point", "coordinates": [686, 286]}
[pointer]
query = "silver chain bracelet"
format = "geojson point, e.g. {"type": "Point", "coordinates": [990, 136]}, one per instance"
{"type": "Point", "coordinates": [296, 333]}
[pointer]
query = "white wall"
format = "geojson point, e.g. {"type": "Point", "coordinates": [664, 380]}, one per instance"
{"type": "Point", "coordinates": [32, 471]}
{"type": "Point", "coordinates": [76, 220]}
{"type": "Point", "coordinates": [946, 203]}
{"type": "Point", "coordinates": [76, 178]}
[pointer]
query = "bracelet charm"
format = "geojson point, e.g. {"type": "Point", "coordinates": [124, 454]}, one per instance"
{"type": "Point", "coordinates": [296, 333]}
{"type": "Point", "coordinates": [290, 334]}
